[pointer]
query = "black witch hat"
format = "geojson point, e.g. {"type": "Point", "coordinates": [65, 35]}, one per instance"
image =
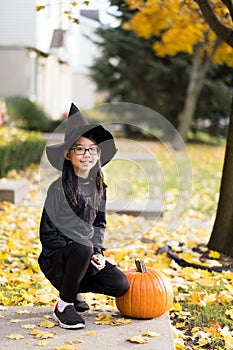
{"type": "Point", "coordinates": [77, 125]}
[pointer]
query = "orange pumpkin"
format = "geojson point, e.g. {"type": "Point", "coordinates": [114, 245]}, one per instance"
{"type": "Point", "coordinates": [149, 295]}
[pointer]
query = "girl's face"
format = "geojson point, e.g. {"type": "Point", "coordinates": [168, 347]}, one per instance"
{"type": "Point", "coordinates": [83, 155]}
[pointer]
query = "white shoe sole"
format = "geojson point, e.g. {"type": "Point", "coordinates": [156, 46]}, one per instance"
{"type": "Point", "coordinates": [83, 312]}
{"type": "Point", "coordinates": [68, 326]}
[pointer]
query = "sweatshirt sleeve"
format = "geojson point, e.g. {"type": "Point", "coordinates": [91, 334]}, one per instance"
{"type": "Point", "coordinates": [50, 235]}
{"type": "Point", "coordinates": [100, 225]}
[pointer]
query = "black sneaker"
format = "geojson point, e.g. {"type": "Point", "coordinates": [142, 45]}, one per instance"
{"type": "Point", "coordinates": [69, 318]}
{"type": "Point", "coordinates": [81, 306]}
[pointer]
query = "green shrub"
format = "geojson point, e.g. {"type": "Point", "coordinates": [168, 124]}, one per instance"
{"type": "Point", "coordinates": [19, 148]}
{"type": "Point", "coordinates": [27, 115]}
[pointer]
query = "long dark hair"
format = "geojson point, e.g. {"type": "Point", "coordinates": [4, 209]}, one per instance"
{"type": "Point", "coordinates": [70, 181]}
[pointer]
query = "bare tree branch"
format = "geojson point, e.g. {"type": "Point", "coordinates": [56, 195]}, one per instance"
{"type": "Point", "coordinates": [223, 32]}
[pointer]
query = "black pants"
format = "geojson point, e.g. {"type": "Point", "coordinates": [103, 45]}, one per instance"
{"type": "Point", "coordinates": [78, 275]}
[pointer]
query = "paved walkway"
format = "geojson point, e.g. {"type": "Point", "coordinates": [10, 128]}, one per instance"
{"type": "Point", "coordinates": [94, 337]}
{"type": "Point", "coordinates": [16, 322]}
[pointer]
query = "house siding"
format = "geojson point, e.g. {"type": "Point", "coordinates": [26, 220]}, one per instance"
{"type": "Point", "coordinates": [17, 25]}
{"type": "Point", "coordinates": [30, 68]}
{"type": "Point", "coordinates": [12, 71]}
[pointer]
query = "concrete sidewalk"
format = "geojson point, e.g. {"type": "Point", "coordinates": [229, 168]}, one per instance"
{"type": "Point", "coordinates": [94, 337]}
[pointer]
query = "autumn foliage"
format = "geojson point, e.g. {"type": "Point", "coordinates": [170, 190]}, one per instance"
{"type": "Point", "coordinates": [180, 26]}
{"type": "Point", "coordinates": [202, 312]}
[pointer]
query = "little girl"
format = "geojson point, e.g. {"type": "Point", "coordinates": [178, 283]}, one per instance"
{"type": "Point", "coordinates": [73, 221]}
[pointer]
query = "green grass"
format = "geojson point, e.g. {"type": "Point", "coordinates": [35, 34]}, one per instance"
{"type": "Point", "coordinates": [205, 315]}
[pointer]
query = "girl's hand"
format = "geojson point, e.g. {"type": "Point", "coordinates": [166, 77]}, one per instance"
{"type": "Point", "coordinates": [98, 260]}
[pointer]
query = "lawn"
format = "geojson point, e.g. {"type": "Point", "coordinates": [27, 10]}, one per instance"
{"type": "Point", "coordinates": [203, 305]}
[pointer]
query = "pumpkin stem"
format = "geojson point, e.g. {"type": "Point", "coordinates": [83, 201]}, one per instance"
{"type": "Point", "coordinates": [140, 265]}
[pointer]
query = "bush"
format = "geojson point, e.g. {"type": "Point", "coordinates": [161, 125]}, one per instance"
{"type": "Point", "coordinates": [19, 148]}
{"type": "Point", "coordinates": [27, 115]}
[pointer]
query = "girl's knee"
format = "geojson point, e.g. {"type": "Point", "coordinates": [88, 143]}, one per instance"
{"type": "Point", "coordinates": [122, 285]}
{"type": "Point", "coordinates": [80, 249]}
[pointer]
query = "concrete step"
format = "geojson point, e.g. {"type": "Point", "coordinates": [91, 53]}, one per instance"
{"type": "Point", "coordinates": [148, 208]}
{"type": "Point", "coordinates": [13, 190]}
{"type": "Point", "coordinates": [101, 337]}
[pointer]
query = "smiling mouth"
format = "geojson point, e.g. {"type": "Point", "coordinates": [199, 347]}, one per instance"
{"type": "Point", "coordinates": [85, 162]}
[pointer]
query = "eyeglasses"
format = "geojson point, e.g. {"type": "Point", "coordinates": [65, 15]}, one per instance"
{"type": "Point", "coordinates": [79, 150]}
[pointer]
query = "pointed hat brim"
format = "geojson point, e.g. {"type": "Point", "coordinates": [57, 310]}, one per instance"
{"type": "Point", "coordinates": [77, 125]}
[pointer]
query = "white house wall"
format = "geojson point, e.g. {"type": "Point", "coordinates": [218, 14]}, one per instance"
{"type": "Point", "coordinates": [83, 88]}
{"type": "Point", "coordinates": [28, 67]}
{"type": "Point", "coordinates": [17, 24]}
{"type": "Point", "coordinates": [13, 80]}
{"type": "Point", "coordinates": [53, 86]}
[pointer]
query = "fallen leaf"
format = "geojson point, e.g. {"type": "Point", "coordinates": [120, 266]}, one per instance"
{"type": "Point", "coordinates": [15, 336]}
{"type": "Point", "coordinates": [47, 324]}
{"type": "Point", "coordinates": [66, 347]}
{"type": "Point", "coordinates": [103, 319]}
{"type": "Point", "coordinates": [228, 341]}
{"type": "Point", "coordinates": [21, 312]}
{"type": "Point", "coordinates": [41, 334]}
{"type": "Point", "coordinates": [15, 320]}
{"type": "Point", "coordinates": [47, 317]}
{"type": "Point", "coordinates": [120, 321]}
{"type": "Point", "coordinates": [229, 312]}
{"type": "Point", "coordinates": [151, 334]}
{"type": "Point", "coordinates": [78, 341]}
{"type": "Point", "coordinates": [138, 339]}
{"type": "Point", "coordinates": [214, 255]}
{"type": "Point", "coordinates": [43, 343]}
{"type": "Point", "coordinates": [28, 326]}
{"type": "Point", "coordinates": [91, 332]}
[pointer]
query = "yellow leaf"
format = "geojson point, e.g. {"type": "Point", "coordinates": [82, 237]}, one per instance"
{"type": "Point", "coordinates": [28, 326]}
{"type": "Point", "coordinates": [177, 307]}
{"type": "Point", "coordinates": [15, 320]}
{"type": "Point", "coordinates": [15, 336]}
{"type": "Point", "coordinates": [151, 334]}
{"type": "Point", "coordinates": [66, 346]}
{"type": "Point", "coordinates": [74, 3]}
{"type": "Point", "coordinates": [228, 341]}
{"type": "Point", "coordinates": [203, 342]}
{"type": "Point", "coordinates": [42, 335]}
{"type": "Point", "coordinates": [180, 345]}
{"type": "Point", "coordinates": [120, 321]}
{"type": "Point", "coordinates": [214, 255]}
{"type": "Point", "coordinates": [103, 319]}
{"type": "Point", "coordinates": [21, 312]}
{"type": "Point", "coordinates": [230, 312]}
{"type": "Point", "coordinates": [39, 8]}
{"type": "Point", "coordinates": [47, 324]}
{"type": "Point", "coordinates": [43, 343]}
{"type": "Point", "coordinates": [91, 332]}
{"type": "Point", "coordinates": [180, 324]}
{"type": "Point", "coordinates": [138, 339]}
{"type": "Point", "coordinates": [78, 341]}
{"type": "Point", "coordinates": [47, 317]}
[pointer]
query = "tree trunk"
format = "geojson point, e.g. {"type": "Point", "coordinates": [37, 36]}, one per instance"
{"type": "Point", "coordinates": [222, 234]}
{"type": "Point", "coordinates": [199, 71]}
{"type": "Point", "coordinates": [194, 88]}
